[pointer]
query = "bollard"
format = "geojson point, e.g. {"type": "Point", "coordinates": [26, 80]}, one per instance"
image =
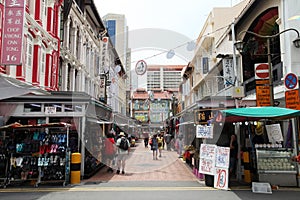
{"type": "Point", "coordinates": [247, 174]}
{"type": "Point", "coordinates": [75, 168]}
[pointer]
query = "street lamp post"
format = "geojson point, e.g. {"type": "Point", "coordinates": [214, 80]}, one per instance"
{"type": "Point", "coordinates": [240, 45]}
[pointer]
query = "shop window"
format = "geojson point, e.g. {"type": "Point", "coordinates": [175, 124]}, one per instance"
{"type": "Point", "coordinates": [33, 107]}
{"type": "Point", "coordinates": [69, 108]}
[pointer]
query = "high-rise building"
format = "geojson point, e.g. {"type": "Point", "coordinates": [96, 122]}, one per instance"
{"type": "Point", "coordinates": [117, 29]}
{"type": "Point", "coordinates": [164, 77]}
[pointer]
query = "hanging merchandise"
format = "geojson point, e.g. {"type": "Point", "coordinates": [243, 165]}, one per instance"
{"type": "Point", "coordinates": [35, 153]}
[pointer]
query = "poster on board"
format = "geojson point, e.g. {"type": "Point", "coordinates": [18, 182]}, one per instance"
{"type": "Point", "coordinates": [221, 178]}
{"type": "Point", "coordinates": [204, 131]}
{"type": "Point", "coordinates": [222, 157]}
{"type": "Point", "coordinates": [274, 133]}
{"type": "Point", "coordinates": [207, 159]}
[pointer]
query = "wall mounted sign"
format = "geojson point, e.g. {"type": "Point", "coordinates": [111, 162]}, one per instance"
{"type": "Point", "coordinates": [261, 71]}
{"type": "Point", "coordinates": [13, 32]}
{"type": "Point", "coordinates": [141, 67]}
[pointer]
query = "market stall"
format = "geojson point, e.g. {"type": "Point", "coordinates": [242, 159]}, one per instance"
{"type": "Point", "coordinates": [35, 154]}
{"type": "Point", "coordinates": [271, 140]}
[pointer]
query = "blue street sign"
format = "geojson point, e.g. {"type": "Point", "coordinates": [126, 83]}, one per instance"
{"type": "Point", "coordinates": [291, 81]}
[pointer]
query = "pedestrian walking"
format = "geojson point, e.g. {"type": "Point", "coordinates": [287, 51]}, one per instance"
{"type": "Point", "coordinates": [168, 138]}
{"type": "Point", "coordinates": [154, 146]}
{"type": "Point", "coordinates": [160, 144]}
{"type": "Point", "coordinates": [110, 151]}
{"type": "Point", "coordinates": [179, 145]}
{"type": "Point", "coordinates": [146, 139]}
{"type": "Point", "coordinates": [123, 152]}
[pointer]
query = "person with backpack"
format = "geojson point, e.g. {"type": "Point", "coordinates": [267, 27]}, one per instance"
{"type": "Point", "coordinates": [123, 152]}
{"type": "Point", "coordinates": [154, 146]}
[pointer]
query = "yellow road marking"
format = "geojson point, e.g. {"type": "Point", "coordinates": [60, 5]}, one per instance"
{"type": "Point", "coordinates": [82, 189]}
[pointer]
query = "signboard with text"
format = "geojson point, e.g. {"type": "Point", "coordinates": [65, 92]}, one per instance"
{"type": "Point", "coordinates": [292, 99]}
{"type": "Point", "coordinates": [13, 28]}
{"type": "Point", "coordinates": [207, 159]}
{"type": "Point", "coordinates": [263, 93]}
{"type": "Point", "coordinates": [204, 131]}
{"type": "Point", "coordinates": [221, 178]}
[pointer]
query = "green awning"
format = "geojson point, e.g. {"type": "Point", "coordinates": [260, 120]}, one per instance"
{"type": "Point", "coordinates": [256, 113]}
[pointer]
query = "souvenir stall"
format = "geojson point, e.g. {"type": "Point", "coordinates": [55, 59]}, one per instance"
{"type": "Point", "coordinates": [270, 143]}
{"type": "Point", "coordinates": [36, 154]}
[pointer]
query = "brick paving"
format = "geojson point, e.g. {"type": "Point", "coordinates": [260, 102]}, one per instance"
{"type": "Point", "coordinates": [140, 166]}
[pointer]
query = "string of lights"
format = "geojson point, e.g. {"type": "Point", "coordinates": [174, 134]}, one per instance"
{"type": "Point", "coordinates": [191, 43]}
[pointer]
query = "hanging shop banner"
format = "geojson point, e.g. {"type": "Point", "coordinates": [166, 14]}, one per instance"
{"type": "Point", "coordinates": [104, 58]}
{"type": "Point", "coordinates": [1, 29]}
{"type": "Point", "coordinates": [202, 116]}
{"type": "Point", "coordinates": [102, 88]}
{"type": "Point", "coordinates": [228, 71]}
{"type": "Point", "coordinates": [207, 159]}
{"type": "Point", "coordinates": [222, 157]}
{"type": "Point", "coordinates": [13, 28]}
{"type": "Point", "coordinates": [221, 178]}
{"type": "Point", "coordinates": [274, 133]}
{"type": "Point", "coordinates": [204, 131]}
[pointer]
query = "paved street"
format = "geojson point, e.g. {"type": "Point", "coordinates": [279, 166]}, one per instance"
{"type": "Point", "coordinates": [145, 178]}
{"type": "Point", "coordinates": [141, 167]}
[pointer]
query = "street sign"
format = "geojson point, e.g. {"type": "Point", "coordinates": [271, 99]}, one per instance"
{"type": "Point", "coordinates": [263, 95]}
{"type": "Point", "coordinates": [292, 99]}
{"type": "Point", "coordinates": [291, 81]}
{"type": "Point", "coordinates": [141, 67]}
{"type": "Point", "coordinates": [261, 71]}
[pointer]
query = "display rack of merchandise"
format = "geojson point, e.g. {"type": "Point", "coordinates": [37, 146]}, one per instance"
{"type": "Point", "coordinates": [37, 154]}
{"type": "Point", "coordinates": [276, 166]}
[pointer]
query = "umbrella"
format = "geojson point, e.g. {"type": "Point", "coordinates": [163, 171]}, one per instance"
{"type": "Point", "coordinates": [265, 24]}
{"type": "Point", "coordinates": [257, 113]}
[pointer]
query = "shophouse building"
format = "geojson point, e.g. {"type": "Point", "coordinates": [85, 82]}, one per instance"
{"type": "Point", "coordinates": [69, 68]}
{"type": "Point", "coordinates": [220, 77]}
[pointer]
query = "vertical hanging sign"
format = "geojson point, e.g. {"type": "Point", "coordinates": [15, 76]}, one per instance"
{"type": "Point", "coordinates": [2, 68]}
{"type": "Point", "coordinates": [104, 55]}
{"type": "Point", "coordinates": [228, 71]}
{"type": "Point", "coordinates": [13, 28]}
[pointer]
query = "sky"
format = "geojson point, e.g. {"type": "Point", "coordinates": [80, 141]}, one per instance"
{"type": "Point", "coordinates": [158, 26]}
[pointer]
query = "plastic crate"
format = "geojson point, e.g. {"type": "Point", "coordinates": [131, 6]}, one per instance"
{"type": "Point", "coordinates": [261, 188]}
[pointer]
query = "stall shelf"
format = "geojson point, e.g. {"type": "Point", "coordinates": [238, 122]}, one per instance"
{"type": "Point", "coordinates": [37, 153]}
{"type": "Point", "coordinates": [276, 166]}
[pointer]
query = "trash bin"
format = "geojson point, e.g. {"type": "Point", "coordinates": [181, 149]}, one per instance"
{"type": "Point", "coordinates": [75, 168]}
{"type": "Point", "coordinates": [209, 180]}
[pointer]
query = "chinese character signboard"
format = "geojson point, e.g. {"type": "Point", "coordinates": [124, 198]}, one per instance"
{"type": "Point", "coordinates": [104, 58]}
{"type": "Point", "coordinates": [203, 115]}
{"type": "Point", "coordinates": [102, 88]}
{"type": "Point", "coordinates": [228, 71]}
{"type": "Point", "coordinates": [204, 131]}
{"type": "Point", "coordinates": [1, 25]}
{"type": "Point", "coordinates": [13, 28]}
{"type": "Point", "coordinates": [207, 159]}
{"type": "Point", "coordinates": [222, 157]}
{"type": "Point", "coordinates": [214, 160]}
